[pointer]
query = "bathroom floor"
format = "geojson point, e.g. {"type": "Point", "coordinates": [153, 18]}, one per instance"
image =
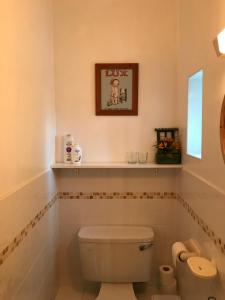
{"type": "Point", "coordinates": [68, 293]}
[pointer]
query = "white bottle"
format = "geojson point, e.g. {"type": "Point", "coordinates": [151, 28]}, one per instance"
{"type": "Point", "coordinates": [77, 154]}
{"type": "Point", "coordinates": [68, 149]}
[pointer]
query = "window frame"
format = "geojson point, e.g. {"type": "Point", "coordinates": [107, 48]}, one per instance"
{"type": "Point", "coordinates": [199, 157]}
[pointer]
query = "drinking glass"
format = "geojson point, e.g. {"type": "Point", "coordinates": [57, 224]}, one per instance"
{"type": "Point", "coordinates": [132, 157]}
{"type": "Point", "coordinates": [142, 157]}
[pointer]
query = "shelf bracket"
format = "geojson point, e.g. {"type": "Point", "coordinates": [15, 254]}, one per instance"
{"type": "Point", "coordinates": [77, 172]}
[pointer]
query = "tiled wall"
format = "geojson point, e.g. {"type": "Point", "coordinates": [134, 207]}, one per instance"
{"type": "Point", "coordinates": [133, 198]}
{"type": "Point", "coordinates": [29, 220]}
{"type": "Point", "coordinates": [28, 241]}
{"type": "Point", "coordinates": [132, 209]}
{"type": "Point", "coordinates": [195, 212]}
{"type": "Point", "coordinates": [200, 215]}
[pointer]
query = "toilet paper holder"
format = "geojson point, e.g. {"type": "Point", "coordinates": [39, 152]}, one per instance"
{"type": "Point", "coordinates": [181, 251]}
{"type": "Point", "coordinates": [190, 252]}
{"type": "Point", "coordinates": [183, 256]}
{"type": "Point", "coordinates": [194, 247]}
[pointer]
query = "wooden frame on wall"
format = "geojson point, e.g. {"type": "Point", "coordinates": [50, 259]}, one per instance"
{"type": "Point", "coordinates": [116, 89]}
{"type": "Point", "coordinates": [222, 129]}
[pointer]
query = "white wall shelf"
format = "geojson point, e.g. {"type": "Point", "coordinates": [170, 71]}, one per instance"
{"type": "Point", "coordinates": [115, 165]}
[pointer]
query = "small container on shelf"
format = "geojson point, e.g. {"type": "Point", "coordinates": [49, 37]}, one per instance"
{"type": "Point", "coordinates": [168, 146]}
{"type": "Point", "coordinates": [142, 157]}
{"type": "Point", "coordinates": [77, 154]}
{"type": "Point", "coordinates": [132, 157]}
{"type": "Point", "coordinates": [68, 148]}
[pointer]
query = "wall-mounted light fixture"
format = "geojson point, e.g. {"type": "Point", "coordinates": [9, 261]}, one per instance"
{"type": "Point", "coordinates": [220, 43]}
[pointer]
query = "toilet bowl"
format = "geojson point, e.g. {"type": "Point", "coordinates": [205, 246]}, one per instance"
{"type": "Point", "coordinates": [120, 291]}
{"type": "Point", "coordinates": [116, 256]}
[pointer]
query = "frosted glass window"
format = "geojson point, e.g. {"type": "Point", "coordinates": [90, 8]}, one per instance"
{"type": "Point", "coordinates": [194, 125]}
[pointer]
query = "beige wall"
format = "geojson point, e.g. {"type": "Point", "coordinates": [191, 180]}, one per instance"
{"type": "Point", "coordinates": [104, 31]}
{"type": "Point", "coordinates": [26, 91]}
{"type": "Point", "coordinates": [28, 238]}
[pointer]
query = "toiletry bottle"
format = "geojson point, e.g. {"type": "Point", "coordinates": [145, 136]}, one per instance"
{"type": "Point", "coordinates": [68, 149]}
{"type": "Point", "coordinates": [77, 154]}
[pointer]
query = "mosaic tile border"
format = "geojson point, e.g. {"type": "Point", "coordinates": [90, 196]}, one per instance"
{"type": "Point", "coordinates": [117, 195]}
{"type": "Point", "coordinates": [219, 243]}
{"type": "Point", "coordinates": [5, 253]}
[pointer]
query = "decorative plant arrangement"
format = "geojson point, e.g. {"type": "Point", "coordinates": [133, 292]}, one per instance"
{"type": "Point", "coordinates": [168, 146]}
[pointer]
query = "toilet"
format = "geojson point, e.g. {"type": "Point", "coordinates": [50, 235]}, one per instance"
{"type": "Point", "coordinates": [116, 256]}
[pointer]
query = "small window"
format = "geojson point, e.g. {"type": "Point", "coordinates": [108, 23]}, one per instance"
{"type": "Point", "coordinates": [194, 124]}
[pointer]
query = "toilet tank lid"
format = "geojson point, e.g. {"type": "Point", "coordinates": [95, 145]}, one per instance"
{"type": "Point", "coordinates": [122, 234]}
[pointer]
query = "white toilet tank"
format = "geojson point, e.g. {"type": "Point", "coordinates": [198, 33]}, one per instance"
{"type": "Point", "coordinates": [116, 253]}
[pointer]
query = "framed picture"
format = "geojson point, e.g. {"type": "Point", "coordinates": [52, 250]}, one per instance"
{"type": "Point", "coordinates": [116, 89]}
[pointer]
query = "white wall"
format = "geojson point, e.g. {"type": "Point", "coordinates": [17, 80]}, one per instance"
{"type": "Point", "coordinates": [201, 184]}
{"type": "Point", "coordinates": [23, 271]}
{"type": "Point", "coordinates": [203, 221]}
{"type": "Point", "coordinates": [87, 32]}
{"type": "Point", "coordinates": [200, 22]}
{"type": "Point", "coordinates": [27, 129]}
{"type": "Point", "coordinates": [101, 31]}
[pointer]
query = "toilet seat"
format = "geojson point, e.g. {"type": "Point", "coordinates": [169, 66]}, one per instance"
{"type": "Point", "coordinates": [116, 291]}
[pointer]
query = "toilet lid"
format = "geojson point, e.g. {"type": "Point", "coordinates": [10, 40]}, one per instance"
{"type": "Point", "coordinates": [165, 297]}
{"type": "Point", "coordinates": [121, 234]}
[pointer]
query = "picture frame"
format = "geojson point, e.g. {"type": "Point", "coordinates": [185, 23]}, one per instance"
{"type": "Point", "coordinates": [116, 89]}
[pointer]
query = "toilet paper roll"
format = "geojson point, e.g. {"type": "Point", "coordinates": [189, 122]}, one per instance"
{"type": "Point", "coordinates": [166, 274]}
{"type": "Point", "coordinates": [169, 289]}
{"type": "Point", "coordinates": [177, 248]}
